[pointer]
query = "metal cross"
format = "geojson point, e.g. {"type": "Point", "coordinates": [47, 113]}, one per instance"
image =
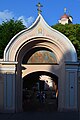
{"type": "Point", "coordinates": [39, 7]}
{"type": "Point", "coordinates": [65, 10]}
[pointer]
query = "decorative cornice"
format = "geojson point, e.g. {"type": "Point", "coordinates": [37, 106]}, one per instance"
{"type": "Point", "coordinates": [71, 63]}
{"type": "Point", "coordinates": [8, 69]}
{"type": "Point", "coordinates": [8, 63]}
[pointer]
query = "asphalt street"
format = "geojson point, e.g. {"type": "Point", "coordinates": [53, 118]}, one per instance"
{"type": "Point", "coordinates": [40, 116]}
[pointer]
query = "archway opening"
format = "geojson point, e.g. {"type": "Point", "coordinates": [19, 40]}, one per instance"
{"type": "Point", "coordinates": [40, 91]}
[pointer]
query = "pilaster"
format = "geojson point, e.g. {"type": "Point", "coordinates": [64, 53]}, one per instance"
{"type": "Point", "coordinates": [71, 87]}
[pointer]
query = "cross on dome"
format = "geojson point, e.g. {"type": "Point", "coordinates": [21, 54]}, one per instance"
{"type": "Point", "coordinates": [65, 10]}
{"type": "Point", "coordinates": [39, 7]}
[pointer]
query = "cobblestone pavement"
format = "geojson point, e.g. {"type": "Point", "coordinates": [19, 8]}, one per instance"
{"type": "Point", "coordinates": [40, 116]}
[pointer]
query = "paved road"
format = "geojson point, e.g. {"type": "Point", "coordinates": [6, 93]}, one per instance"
{"type": "Point", "coordinates": [40, 116]}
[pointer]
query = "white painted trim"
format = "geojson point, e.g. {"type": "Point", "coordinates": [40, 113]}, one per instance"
{"type": "Point", "coordinates": [8, 63]}
{"type": "Point", "coordinates": [71, 63]}
{"type": "Point", "coordinates": [74, 69]}
{"type": "Point", "coordinates": [7, 69]}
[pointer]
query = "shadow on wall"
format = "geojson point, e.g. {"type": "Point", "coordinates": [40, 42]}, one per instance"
{"type": "Point", "coordinates": [7, 91]}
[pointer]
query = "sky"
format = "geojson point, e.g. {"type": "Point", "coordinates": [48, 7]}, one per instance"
{"type": "Point", "coordinates": [26, 10]}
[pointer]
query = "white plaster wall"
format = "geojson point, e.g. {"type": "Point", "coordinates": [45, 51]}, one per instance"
{"type": "Point", "coordinates": [1, 94]}
{"type": "Point", "coordinates": [71, 98]}
{"type": "Point", "coordinates": [7, 88]}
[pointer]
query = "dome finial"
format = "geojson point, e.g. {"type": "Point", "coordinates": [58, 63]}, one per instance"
{"type": "Point", "coordinates": [39, 7]}
{"type": "Point", "coordinates": [65, 10]}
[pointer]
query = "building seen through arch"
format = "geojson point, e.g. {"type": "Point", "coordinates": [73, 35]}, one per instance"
{"type": "Point", "coordinates": [42, 59]}
{"type": "Point", "coordinates": [40, 92]}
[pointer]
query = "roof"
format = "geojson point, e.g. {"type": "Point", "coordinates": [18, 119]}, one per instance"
{"type": "Point", "coordinates": [65, 16]}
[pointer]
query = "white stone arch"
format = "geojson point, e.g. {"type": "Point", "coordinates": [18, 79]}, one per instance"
{"type": "Point", "coordinates": [42, 35]}
{"type": "Point", "coordinates": [39, 68]}
{"type": "Point", "coordinates": [63, 49]}
{"type": "Point", "coordinates": [31, 33]}
{"type": "Point", "coordinates": [41, 42]}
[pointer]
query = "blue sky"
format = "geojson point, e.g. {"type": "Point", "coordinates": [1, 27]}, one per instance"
{"type": "Point", "coordinates": [26, 10]}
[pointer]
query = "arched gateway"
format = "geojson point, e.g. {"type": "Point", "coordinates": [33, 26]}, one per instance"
{"type": "Point", "coordinates": [38, 49]}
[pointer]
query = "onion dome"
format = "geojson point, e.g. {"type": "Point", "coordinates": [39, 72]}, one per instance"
{"type": "Point", "coordinates": [65, 16]}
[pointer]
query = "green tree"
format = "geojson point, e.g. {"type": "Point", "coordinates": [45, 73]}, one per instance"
{"type": "Point", "coordinates": [7, 31]}
{"type": "Point", "coordinates": [72, 31]}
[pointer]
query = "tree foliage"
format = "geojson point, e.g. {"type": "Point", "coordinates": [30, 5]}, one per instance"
{"type": "Point", "coordinates": [72, 31]}
{"type": "Point", "coordinates": [7, 31]}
